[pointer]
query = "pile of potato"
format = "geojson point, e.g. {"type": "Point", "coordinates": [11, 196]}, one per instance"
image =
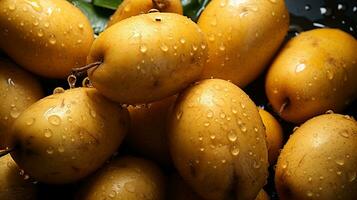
{"type": "Point", "coordinates": [163, 113]}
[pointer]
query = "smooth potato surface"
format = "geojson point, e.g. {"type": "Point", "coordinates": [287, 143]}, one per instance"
{"type": "Point", "coordinates": [18, 90]}
{"type": "Point", "coordinates": [126, 178]}
{"type": "Point", "coordinates": [319, 160]}
{"type": "Point", "coordinates": [47, 37]}
{"type": "Point", "coordinates": [65, 137]}
{"type": "Point", "coordinates": [217, 141]}
{"type": "Point", "coordinates": [315, 72]}
{"type": "Point", "coordinates": [147, 57]}
{"type": "Point", "coordinates": [242, 37]}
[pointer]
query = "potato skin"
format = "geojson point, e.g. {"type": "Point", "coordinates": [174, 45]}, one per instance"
{"type": "Point", "coordinates": [148, 130]}
{"type": "Point", "coordinates": [65, 137]}
{"type": "Point", "coordinates": [18, 90]}
{"type": "Point", "coordinates": [217, 141]}
{"type": "Point", "coordinates": [12, 184]}
{"type": "Point", "coordinates": [129, 8]}
{"type": "Point", "coordinates": [274, 135]}
{"type": "Point", "coordinates": [262, 195]}
{"type": "Point", "coordinates": [47, 37]}
{"type": "Point", "coordinates": [312, 74]}
{"type": "Point", "coordinates": [147, 57]}
{"type": "Point", "coordinates": [242, 37]}
{"type": "Point", "coordinates": [319, 160]}
{"type": "Point", "coordinates": [126, 178]}
{"type": "Point", "coordinates": [179, 190]}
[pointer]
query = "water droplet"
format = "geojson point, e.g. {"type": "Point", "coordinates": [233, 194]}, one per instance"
{"type": "Point", "coordinates": [10, 82]}
{"type": "Point", "coordinates": [61, 149]}
{"type": "Point", "coordinates": [14, 113]}
{"type": "Point", "coordinates": [47, 24]}
{"type": "Point", "coordinates": [54, 120]}
{"type": "Point", "coordinates": [47, 132]}
{"type": "Point", "coordinates": [143, 48]}
{"type": "Point", "coordinates": [329, 112]}
{"type": "Point", "coordinates": [182, 41]}
{"type": "Point", "coordinates": [52, 39]}
{"type": "Point", "coordinates": [202, 149]}
{"type": "Point", "coordinates": [212, 137]}
{"type": "Point", "coordinates": [344, 133]}
{"type": "Point", "coordinates": [49, 150]}
{"type": "Point", "coordinates": [243, 128]}
{"type": "Point", "coordinates": [93, 113]}
{"type": "Point", "coordinates": [35, 4]}
{"type": "Point", "coordinates": [40, 33]}
{"type": "Point", "coordinates": [307, 7]}
{"type": "Point", "coordinates": [351, 176]}
{"type": "Point", "coordinates": [285, 165]}
{"type": "Point", "coordinates": [12, 7]}
{"type": "Point", "coordinates": [309, 194]}
{"type": "Point", "coordinates": [164, 47]}
{"type": "Point", "coordinates": [80, 26]}
{"type": "Point", "coordinates": [206, 124]}
{"type": "Point", "coordinates": [30, 121]}
{"type": "Point", "coordinates": [222, 47]}
{"type": "Point", "coordinates": [211, 37]}
{"type": "Point", "coordinates": [340, 162]}
{"type": "Point", "coordinates": [58, 90]}
{"type": "Point", "coordinates": [179, 115]}
{"type": "Point", "coordinates": [330, 75]}
{"type": "Point", "coordinates": [209, 114]}
{"type": "Point", "coordinates": [256, 164]}
{"type": "Point", "coordinates": [235, 151]}
{"type": "Point", "coordinates": [232, 136]}
{"type": "Point", "coordinates": [300, 67]}
{"type": "Point", "coordinates": [273, 1]}
{"type": "Point", "coordinates": [129, 187]}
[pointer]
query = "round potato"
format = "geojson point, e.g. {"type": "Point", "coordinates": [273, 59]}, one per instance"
{"type": "Point", "coordinates": [147, 57]}
{"type": "Point", "coordinates": [47, 37]}
{"type": "Point", "coordinates": [319, 160]}
{"type": "Point", "coordinates": [313, 74]}
{"type": "Point", "coordinates": [242, 37]}
{"type": "Point", "coordinates": [127, 178]}
{"type": "Point", "coordinates": [274, 134]}
{"type": "Point", "coordinates": [13, 186]}
{"type": "Point", "coordinates": [18, 90]}
{"type": "Point", "coordinates": [217, 141]}
{"type": "Point", "coordinates": [129, 8]}
{"type": "Point", "coordinates": [65, 137]}
{"type": "Point", "coordinates": [148, 130]}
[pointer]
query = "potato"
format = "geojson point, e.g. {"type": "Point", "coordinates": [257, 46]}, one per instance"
{"type": "Point", "coordinates": [217, 141]}
{"type": "Point", "coordinates": [129, 8]}
{"type": "Point", "coordinates": [12, 184]}
{"type": "Point", "coordinates": [47, 37]}
{"type": "Point", "coordinates": [147, 57]}
{"type": "Point", "coordinates": [262, 195]}
{"type": "Point", "coordinates": [179, 190]}
{"type": "Point", "coordinates": [19, 89]}
{"type": "Point", "coordinates": [313, 74]}
{"type": "Point", "coordinates": [148, 130]}
{"type": "Point", "coordinates": [127, 178]}
{"type": "Point", "coordinates": [65, 137]}
{"type": "Point", "coordinates": [274, 135]}
{"type": "Point", "coordinates": [242, 37]}
{"type": "Point", "coordinates": [319, 160]}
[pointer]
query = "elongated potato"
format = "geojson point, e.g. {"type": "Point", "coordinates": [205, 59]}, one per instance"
{"type": "Point", "coordinates": [127, 178]}
{"type": "Point", "coordinates": [13, 186]}
{"type": "Point", "coordinates": [217, 141]}
{"type": "Point", "coordinates": [47, 37]}
{"type": "Point", "coordinates": [147, 57]}
{"type": "Point", "coordinates": [319, 160]}
{"type": "Point", "coordinates": [18, 90]}
{"type": "Point", "coordinates": [312, 74]}
{"type": "Point", "coordinates": [242, 37]}
{"type": "Point", "coordinates": [67, 136]}
{"type": "Point", "coordinates": [129, 8]}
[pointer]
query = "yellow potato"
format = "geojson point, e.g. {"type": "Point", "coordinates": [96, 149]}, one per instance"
{"type": "Point", "coordinates": [147, 57]}
{"type": "Point", "coordinates": [18, 90]}
{"type": "Point", "coordinates": [217, 141]}
{"type": "Point", "coordinates": [127, 178]}
{"type": "Point", "coordinates": [313, 73]}
{"type": "Point", "coordinates": [65, 137]}
{"type": "Point", "coordinates": [242, 37]}
{"type": "Point", "coordinates": [319, 160]}
{"type": "Point", "coordinates": [129, 8]}
{"type": "Point", "coordinates": [262, 195]}
{"type": "Point", "coordinates": [148, 130]}
{"type": "Point", "coordinates": [274, 134]}
{"type": "Point", "coordinates": [47, 37]}
{"type": "Point", "coordinates": [12, 184]}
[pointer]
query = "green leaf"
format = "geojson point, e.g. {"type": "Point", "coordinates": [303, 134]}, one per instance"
{"type": "Point", "coordinates": [96, 15]}
{"type": "Point", "coordinates": [110, 4]}
{"type": "Point", "coordinates": [194, 8]}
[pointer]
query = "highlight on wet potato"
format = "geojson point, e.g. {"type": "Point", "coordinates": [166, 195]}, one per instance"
{"type": "Point", "coordinates": [178, 100]}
